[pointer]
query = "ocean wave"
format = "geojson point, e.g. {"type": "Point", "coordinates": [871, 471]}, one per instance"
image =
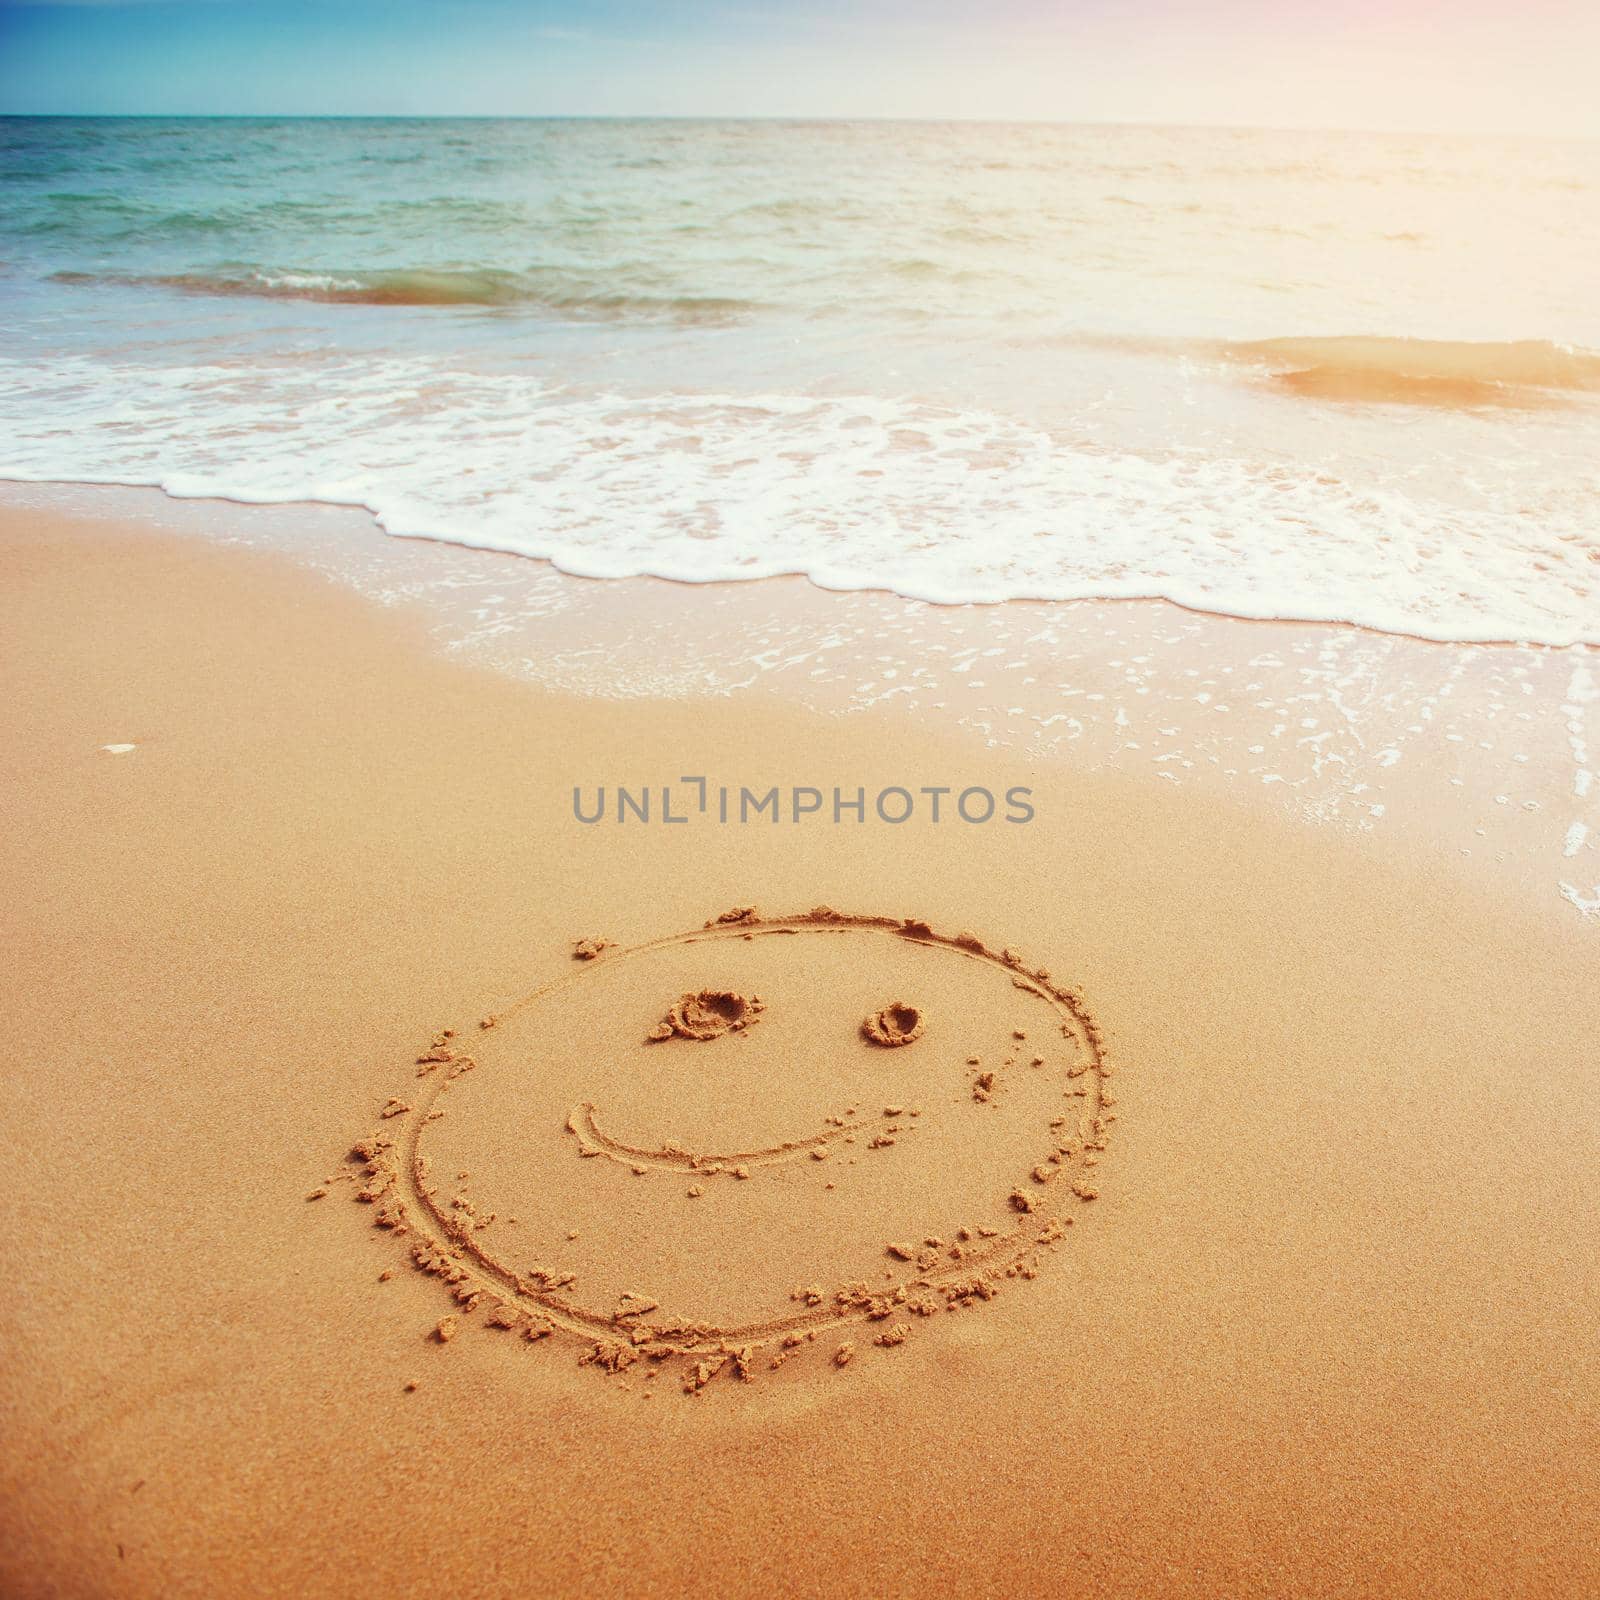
{"type": "Point", "coordinates": [413, 287]}
{"type": "Point", "coordinates": [115, 221]}
{"type": "Point", "coordinates": [99, 218]}
{"type": "Point", "coordinates": [437, 287]}
{"type": "Point", "coordinates": [1436, 372]}
{"type": "Point", "coordinates": [853, 491]}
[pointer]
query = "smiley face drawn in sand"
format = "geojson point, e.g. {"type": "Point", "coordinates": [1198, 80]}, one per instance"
{"type": "Point", "coordinates": [903, 1121]}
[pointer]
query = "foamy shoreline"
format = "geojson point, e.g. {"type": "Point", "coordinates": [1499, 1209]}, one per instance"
{"type": "Point", "coordinates": [1482, 754]}
{"type": "Point", "coordinates": [951, 504]}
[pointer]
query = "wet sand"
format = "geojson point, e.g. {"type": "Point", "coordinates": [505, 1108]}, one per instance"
{"type": "Point", "coordinates": [1321, 1323]}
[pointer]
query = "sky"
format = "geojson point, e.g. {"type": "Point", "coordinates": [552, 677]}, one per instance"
{"type": "Point", "coordinates": [1412, 65]}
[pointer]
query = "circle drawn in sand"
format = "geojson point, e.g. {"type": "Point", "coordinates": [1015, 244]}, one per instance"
{"type": "Point", "coordinates": [896, 1024]}
{"type": "Point", "coordinates": [1018, 1131]}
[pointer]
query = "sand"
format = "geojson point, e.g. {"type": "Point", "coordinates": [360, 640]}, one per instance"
{"type": "Point", "coordinates": [1309, 1122]}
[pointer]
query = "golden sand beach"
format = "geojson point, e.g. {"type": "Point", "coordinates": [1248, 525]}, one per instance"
{"type": "Point", "coordinates": [406, 1179]}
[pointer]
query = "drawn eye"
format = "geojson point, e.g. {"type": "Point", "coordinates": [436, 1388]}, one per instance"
{"type": "Point", "coordinates": [708, 1014]}
{"type": "Point", "coordinates": [897, 1024]}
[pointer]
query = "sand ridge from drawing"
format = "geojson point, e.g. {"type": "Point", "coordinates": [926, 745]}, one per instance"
{"type": "Point", "coordinates": [445, 1230]}
{"type": "Point", "coordinates": [593, 1140]}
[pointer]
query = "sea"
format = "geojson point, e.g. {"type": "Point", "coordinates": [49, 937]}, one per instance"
{"type": "Point", "coordinates": [1323, 376]}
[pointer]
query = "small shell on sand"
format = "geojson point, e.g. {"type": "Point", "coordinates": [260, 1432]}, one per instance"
{"type": "Point", "coordinates": [118, 749]}
{"type": "Point", "coordinates": [895, 1025]}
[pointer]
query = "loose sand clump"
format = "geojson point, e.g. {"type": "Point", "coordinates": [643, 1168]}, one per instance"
{"type": "Point", "coordinates": [708, 1014]}
{"type": "Point", "coordinates": [896, 1024]}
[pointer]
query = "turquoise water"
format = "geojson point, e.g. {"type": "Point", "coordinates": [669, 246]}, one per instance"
{"type": "Point", "coordinates": [958, 361]}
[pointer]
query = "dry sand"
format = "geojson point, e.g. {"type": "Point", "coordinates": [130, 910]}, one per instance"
{"type": "Point", "coordinates": [1272, 1275]}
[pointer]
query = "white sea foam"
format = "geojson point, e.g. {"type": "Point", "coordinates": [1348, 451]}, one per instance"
{"type": "Point", "coordinates": [854, 492]}
{"type": "Point", "coordinates": [1587, 905]}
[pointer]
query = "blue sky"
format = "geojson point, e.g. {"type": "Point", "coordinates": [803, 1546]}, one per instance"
{"type": "Point", "coordinates": [1474, 65]}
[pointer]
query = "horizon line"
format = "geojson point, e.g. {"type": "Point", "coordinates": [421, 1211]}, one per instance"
{"type": "Point", "coordinates": [781, 118]}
